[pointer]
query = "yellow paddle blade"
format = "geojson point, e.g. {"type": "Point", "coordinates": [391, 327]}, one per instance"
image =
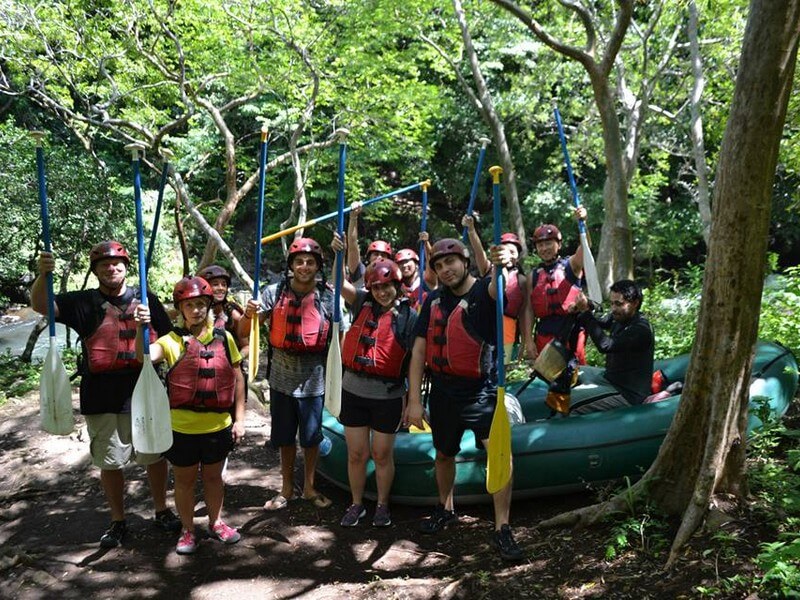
{"type": "Point", "coordinates": [333, 375]}
{"type": "Point", "coordinates": [425, 428]}
{"type": "Point", "coordinates": [55, 395]}
{"type": "Point", "coordinates": [253, 354]}
{"type": "Point", "coordinates": [498, 454]}
{"type": "Point", "coordinates": [151, 423]}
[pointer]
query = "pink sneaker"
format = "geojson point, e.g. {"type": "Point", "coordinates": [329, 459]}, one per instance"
{"type": "Point", "coordinates": [225, 534]}
{"type": "Point", "coordinates": [187, 543]}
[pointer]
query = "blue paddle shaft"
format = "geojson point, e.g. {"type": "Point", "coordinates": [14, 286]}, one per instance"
{"type": "Point", "coordinates": [499, 285]}
{"type": "Point", "coordinates": [337, 309]}
{"type": "Point", "coordinates": [473, 193]}
{"type": "Point", "coordinates": [575, 197]}
{"type": "Point", "coordinates": [262, 173]}
{"type": "Point", "coordinates": [137, 196]}
{"type": "Point", "coordinates": [51, 301]}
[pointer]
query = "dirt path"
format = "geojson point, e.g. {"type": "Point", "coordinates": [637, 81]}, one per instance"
{"type": "Point", "coordinates": [52, 513]}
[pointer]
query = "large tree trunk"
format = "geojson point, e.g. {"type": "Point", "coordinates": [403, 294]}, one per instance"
{"type": "Point", "coordinates": [703, 454]}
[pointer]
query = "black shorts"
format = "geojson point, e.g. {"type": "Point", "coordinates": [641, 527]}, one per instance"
{"type": "Point", "coordinates": [451, 417]}
{"type": "Point", "coordinates": [383, 416]}
{"type": "Point", "coordinates": [192, 448]}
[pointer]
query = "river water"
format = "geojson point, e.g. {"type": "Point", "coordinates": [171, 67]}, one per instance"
{"type": "Point", "coordinates": [14, 335]}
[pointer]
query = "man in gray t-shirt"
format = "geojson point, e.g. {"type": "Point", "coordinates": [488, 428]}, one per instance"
{"type": "Point", "coordinates": [298, 311]}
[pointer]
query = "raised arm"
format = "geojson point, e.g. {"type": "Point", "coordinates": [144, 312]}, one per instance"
{"type": "Point", "coordinates": [46, 264]}
{"type": "Point", "coordinates": [348, 289]}
{"type": "Point", "coordinates": [353, 255]}
{"type": "Point", "coordinates": [481, 262]}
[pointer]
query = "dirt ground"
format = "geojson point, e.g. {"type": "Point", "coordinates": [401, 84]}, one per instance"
{"type": "Point", "coordinates": [52, 513]}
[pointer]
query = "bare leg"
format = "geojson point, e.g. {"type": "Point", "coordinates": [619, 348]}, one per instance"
{"type": "Point", "coordinates": [445, 478]}
{"type": "Point", "coordinates": [213, 491]}
{"type": "Point", "coordinates": [357, 454]}
{"type": "Point", "coordinates": [309, 471]}
{"type": "Point", "coordinates": [185, 480]}
{"type": "Point", "coordinates": [383, 455]}
{"type": "Point", "coordinates": [287, 470]}
{"type": "Point", "coordinates": [113, 482]}
{"type": "Point", "coordinates": [502, 500]}
{"type": "Point", "coordinates": [157, 474]}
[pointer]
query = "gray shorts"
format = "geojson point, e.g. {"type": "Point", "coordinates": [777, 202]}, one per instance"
{"type": "Point", "coordinates": [110, 442]}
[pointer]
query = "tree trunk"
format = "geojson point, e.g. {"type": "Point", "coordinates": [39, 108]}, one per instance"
{"type": "Point", "coordinates": [497, 128]}
{"type": "Point", "coordinates": [696, 128]}
{"type": "Point", "coordinates": [615, 254]}
{"type": "Point", "coordinates": [703, 454]}
{"type": "Point", "coordinates": [38, 328]}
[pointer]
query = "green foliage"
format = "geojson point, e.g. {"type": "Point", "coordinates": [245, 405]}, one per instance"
{"type": "Point", "coordinates": [643, 529]}
{"type": "Point", "coordinates": [16, 377]}
{"type": "Point", "coordinates": [780, 562]}
{"type": "Point", "coordinates": [779, 306]}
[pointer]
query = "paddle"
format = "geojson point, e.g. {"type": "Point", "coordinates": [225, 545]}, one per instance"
{"type": "Point", "coordinates": [589, 267]}
{"type": "Point", "coordinates": [150, 419]}
{"type": "Point", "coordinates": [423, 226]}
{"type": "Point", "coordinates": [255, 325]}
{"type": "Point", "coordinates": [473, 193]}
{"type": "Point", "coordinates": [331, 215]}
{"type": "Point", "coordinates": [167, 154]}
{"type": "Point", "coordinates": [333, 368]}
{"type": "Point", "coordinates": [55, 392]}
{"type": "Point", "coordinates": [498, 459]}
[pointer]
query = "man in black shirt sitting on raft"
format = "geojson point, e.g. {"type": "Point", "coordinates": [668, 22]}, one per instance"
{"type": "Point", "coordinates": [626, 339]}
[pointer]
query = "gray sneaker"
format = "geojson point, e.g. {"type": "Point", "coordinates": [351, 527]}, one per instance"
{"type": "Point", "coordinates": [354, 514]}
{"type": "Point", "coordinates": [382, 518]}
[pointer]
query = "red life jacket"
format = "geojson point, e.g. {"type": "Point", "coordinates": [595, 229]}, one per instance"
{"type": "Point", "coordinates": [299, 325]}
{"type": "Point", "coordinates": [203, 378]}
{"type": "Point", "coordinates": [514, 296]}
{"type": "Point", "coordinates": [112, 346]}
{"type": "Point", "coordinates": [552, 292]}
{"type": "Point", "coordinates": [412, 293]}
{"type": "Point", "coordinates": [224, 320]}
{"type": "Point", "coordinates": [372, 345]}
{"type": "Point", "coordinates": [452, 346]}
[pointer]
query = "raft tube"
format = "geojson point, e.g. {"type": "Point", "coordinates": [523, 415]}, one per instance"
{"type": "Point", "coordinates": [559, 455]}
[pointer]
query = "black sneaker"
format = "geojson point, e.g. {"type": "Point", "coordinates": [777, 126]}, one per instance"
{"type": "Point", "coordinates": [167, 521]}
{"type": "Point", "coordinates": [439, 519]}
{"type": "Point", "coordinates": [504, 540]}
{"type": "Point", "coordinates": [114, 535]}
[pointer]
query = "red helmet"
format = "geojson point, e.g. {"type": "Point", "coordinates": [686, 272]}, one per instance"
{"type": "Point", "coordinates": [380, 246]}
{"type": "Point", "coordinates": [382, 270]}
{"type": "Point", "coordinates": [301, 245]}
{"type": "Point", "coordinates": [191, 287]}
{"type": "Point", "coordinates": [546, 232]}
{"type": "Point", "coordinates": [108, 249]}
{"type": "Point", "coordinates": [406, 254]}
{"type": "Point", "coordinates": [511, 238]}
{"type": "Point", "coordinates": [214, 272]}
{"type": "Point", "coordinates": [446, 247]}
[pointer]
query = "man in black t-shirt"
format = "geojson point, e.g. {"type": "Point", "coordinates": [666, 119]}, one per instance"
{"type": "Point", "coordinates": [628, 347]}
{"type": "Point", "coordinates": [103, 318]}
{"type": "Point", "coordinates": [455, 337]}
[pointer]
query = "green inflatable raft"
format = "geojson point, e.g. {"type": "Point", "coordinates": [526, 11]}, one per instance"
{"type": "Point", "coordinates": [558, 455]}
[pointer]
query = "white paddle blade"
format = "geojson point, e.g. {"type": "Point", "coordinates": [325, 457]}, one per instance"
{"type": "Point", "coordinates": [150, 419]}
{"type": "Point", "coordinates": [590, 270]}
{"type": "Point", "coordinates": [55, 395]}
{"type": "Point", "coordinates": [333, 375]}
